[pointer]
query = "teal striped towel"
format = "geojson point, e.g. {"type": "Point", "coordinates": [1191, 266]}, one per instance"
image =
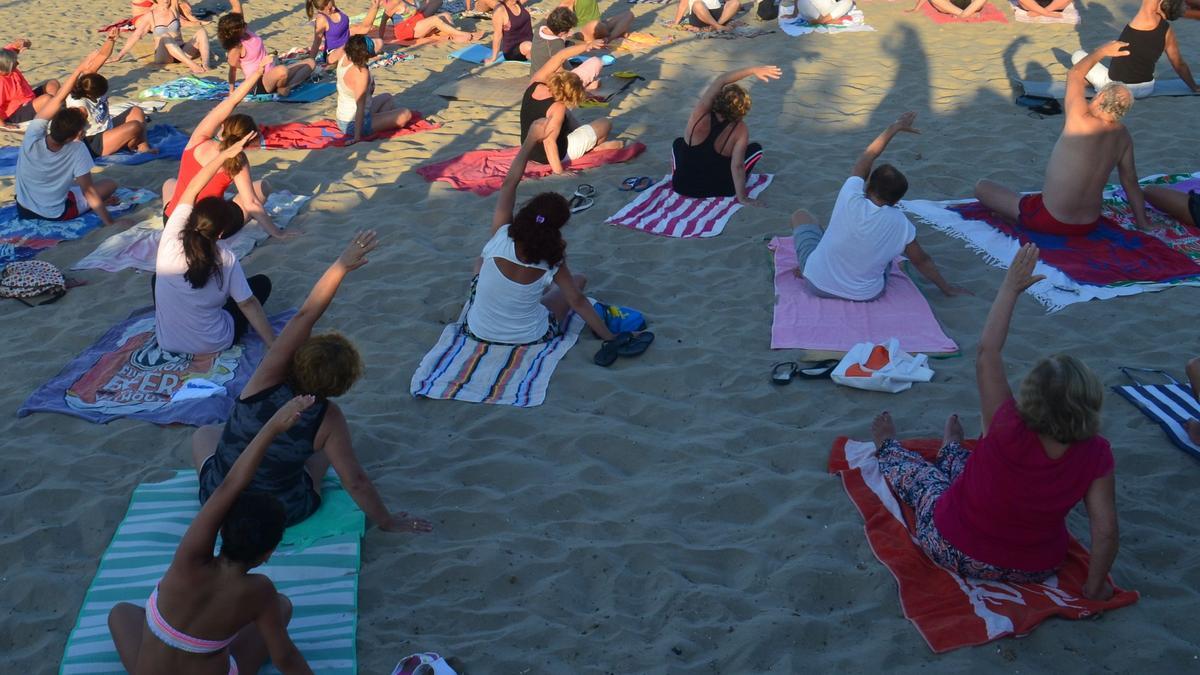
{"type": "Point", "coordinates": [319, 574]}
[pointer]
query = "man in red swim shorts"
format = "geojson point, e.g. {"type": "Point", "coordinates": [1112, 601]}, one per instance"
{"type": "Point", "coordinates": [424, 24]}
{"type": "Point", "coordinates": [1093, 142]}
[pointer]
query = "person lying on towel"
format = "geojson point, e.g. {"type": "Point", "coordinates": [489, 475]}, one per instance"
{"type": "Point", "coordinates": [1092, 143]}
{"type": "Point", "coordinates": [301, 364]}
{"type": "Point", "coordinates": [715, 155]}
{"type": "Point", "coordinates": [208, 614]}
{"type": "Point", "coordinates": [1000, 512]}
{"type": "Point", "coordinates": [850, 258]}
{"type": "Point", "coordinates": [1149, 35]}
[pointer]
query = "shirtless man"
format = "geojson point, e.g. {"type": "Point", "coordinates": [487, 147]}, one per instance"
{"type": "Point", "coordinates": [1093, 141]}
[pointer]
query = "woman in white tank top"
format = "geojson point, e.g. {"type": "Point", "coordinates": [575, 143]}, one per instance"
{"type": "Point", "coordinates": [512, 301]}
{"type": "Point", "coordinates": [361, 112]}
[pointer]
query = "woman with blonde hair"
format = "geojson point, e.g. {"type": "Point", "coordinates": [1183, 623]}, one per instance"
{"type": "Point", "coordinates": [164, 22]}
{"type": "Point", "coordinates": [999, 512]}
{"type": "Point", "coordinates": [715, 155]}
{"type": "Point", "coordinates": [551, 95]}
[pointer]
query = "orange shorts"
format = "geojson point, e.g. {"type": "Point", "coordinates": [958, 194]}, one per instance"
{"type": "Point", "coordinates": [405, 29]}
{"type": "Point", "coordinates": [1035, 217]}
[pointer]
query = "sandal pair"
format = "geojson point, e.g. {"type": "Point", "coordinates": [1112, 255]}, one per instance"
{"type": "Point", "coordinates": [625, 344]}
{"type": "Point", "coordinates": [636, 183]}
{"type": "Point", "coordinates": [583, 199]}
{"type": "Point", "coordinates": [783, 373]}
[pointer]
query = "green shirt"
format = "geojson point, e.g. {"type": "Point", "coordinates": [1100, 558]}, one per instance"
{"type": "Point", "coordinates": [586, 11]}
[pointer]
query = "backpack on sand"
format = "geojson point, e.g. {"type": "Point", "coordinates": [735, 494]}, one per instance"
{"type": "Point", "coordinates": [32, 279]}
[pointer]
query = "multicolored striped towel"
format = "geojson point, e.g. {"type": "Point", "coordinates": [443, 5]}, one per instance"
{"type": "Point", "coordinates": [319, 576]}
{"type": "Point", "coordinates": [662, 211]}
{"type": "Point", "coordinates": [464, 369]}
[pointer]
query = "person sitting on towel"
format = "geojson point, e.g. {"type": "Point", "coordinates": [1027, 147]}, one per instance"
{"type": "Point", "coordinates": [301, 364]}
{"type": "Point", "coordinates": [850, 259]}
{"type": "Point", "coordinates": [1148, 35]}
{"type": "Point", "coordinates": [707, 14]}
{"type": "Point", "coordinates": [592, 27]}
{"type": "Point", "coordinates": [715, 155]}
{"type": "Point", "coordinates": [360, 111]}
{"type": "Point", "coordinates": [512, 301]}
{"type": "Point", "coordinates": [1092, 143]}
{"type": "Point", "coordinates": [816, 12]}
{"type": "Point", "coordinates": [512, 32]}
{"type": "Point", "coordinates": [961, 9]}
{"type": "Point", "coordinates": [1050, 9]}
{"type": "Point", "coordinates": [550, 38]}
{"type": "Point", "coordinates": [20, 102]}
{"type": "Point", "coordinates": [208, 614]}
{"type": "Point", "coordinates": [1000, 512]}
{"type": "Point", "coordinates": [551, 95]}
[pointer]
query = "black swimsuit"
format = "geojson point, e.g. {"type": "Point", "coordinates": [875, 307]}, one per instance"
{"type": "Point", "coordinates": [1145, 46]}
{"type": "Point", "coordinates": [533, 110]}
{"type": "Point", "coordinates": [700, 170]}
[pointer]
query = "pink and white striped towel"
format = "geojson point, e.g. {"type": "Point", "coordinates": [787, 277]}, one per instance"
{"type": "Point", "coordinates": [660, 210]}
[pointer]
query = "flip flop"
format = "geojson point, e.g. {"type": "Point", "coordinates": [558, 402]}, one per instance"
{"type": "Point", "coordinates": [580, 203]}
{"type": "Point", "coordinates": [637, 346]}
{"type": "Point", "coordinates": [584, 190]}
{"type": "Point", "coordinates": [636, 183]}
{"type": "Point", "coordinates": [610, 350]}
{"type": "Point", "coordinates": [782, 373]}
{"type": "Point", "coordinates": [817, 371]}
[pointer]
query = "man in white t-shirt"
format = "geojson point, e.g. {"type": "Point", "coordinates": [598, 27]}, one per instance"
{"type": "Point", "coordinates": [849, 259]}
{"type": "Point", "coordinates": [54, 167]}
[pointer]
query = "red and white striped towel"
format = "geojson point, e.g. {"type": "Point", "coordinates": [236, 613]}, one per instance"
{"type": "Point", "coordinates": [660, 210]}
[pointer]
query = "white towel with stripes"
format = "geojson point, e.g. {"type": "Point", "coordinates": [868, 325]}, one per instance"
{"type": "Point", "coordinates": [1171, 405]}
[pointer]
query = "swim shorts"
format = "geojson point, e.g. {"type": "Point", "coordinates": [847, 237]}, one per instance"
{"type": "Point", "coordinates": [405, 30]}
{"type": "Point", "coordinates": [95, 144]}
{"type": "Point", "coordinates": [347, 126]}
{"type": "Point", "coordinates": [715, 11]}
{"type": "Point", "coordinates": [1035, 217]}
{"type": "Point", "coordinates": [75, 206]}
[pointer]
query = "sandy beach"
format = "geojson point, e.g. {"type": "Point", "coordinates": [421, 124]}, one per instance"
{"type": "Point", "coordinates": [671, 514]}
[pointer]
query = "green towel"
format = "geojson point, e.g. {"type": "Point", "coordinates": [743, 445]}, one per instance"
{"type": "Point", "coordinates": [319, 574]}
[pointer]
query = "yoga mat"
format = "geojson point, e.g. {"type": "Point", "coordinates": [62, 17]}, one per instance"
{"type": "Point", "coordinates": [475, 54]}
{"type": "Point", "coordinates": [661, 211]}
{"type": "Point", "coordinates": [126, 374]}
{"type": "Point", "coordinates": [951, 611]}
{"type": "Point", "coordinates": [805, 321]}
{"type": "Point", "coordinates": [494, 91]}
{"type": "Point", "coordinates": [1171, 87]}
{"type": "Point", "coordinates": [316, 568]}
{"type": "Point", "coordinates": [853, 22]}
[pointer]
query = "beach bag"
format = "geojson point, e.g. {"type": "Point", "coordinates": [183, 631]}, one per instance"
{"type": "Point", "coordinates": [881, 367]}
{"type": "Point", "coordinates": [620, 319]}
{"type": "Point", "coordinates": [768, 10]}
{"type": "Point", "coordinates": [31, 279]}
{"type": "Point", "coordinates": [426, 663]}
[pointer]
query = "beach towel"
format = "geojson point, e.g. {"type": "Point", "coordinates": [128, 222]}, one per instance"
{"type": "Point", "coordinates": [317, 569]}
{"type": "Point", "coordinates": [1070, 15]}
{"type": "Point", "coordinates": [126, 374]}
{"type": "Point", "coordinates": [1170, 87]}
{"type": "Point", "coordinates": [137, 247]}
{"type": "Point", "coordinates": [662, 211]}
{"type": "Point", "coordinates": [1108, 263]}
{"type": "Point", "coordinates": [851, 23]}
{"type": "Point", "coordinates": [169, 141]}
{"type": "Point", "coordinates": [948, 610]}
{"type": "Point", "coordinates": [989, 14]}
{"type": "Point", "coordinates": [22, 239]}
{"type": "Point", "coordinates": [464, 369]}
{"type": "Point", "coordinates": [325, 134]}
{"type": "Point", "coordinates": [1171, 405]}
{"type": "Point", "coordinates": [805, 321]}
{"type": "Point", "coordinates": [195, 88]}
{"type": "Point", "coordinates": [740, 31]}
{"type": "Point", "coordinates": [1182, 238]}
{"type": "Point", "coordinates": [639, 42]}
{"type": "Point", "coordinates": [483, 171]}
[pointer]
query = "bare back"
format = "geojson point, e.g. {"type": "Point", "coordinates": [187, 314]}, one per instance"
{"type": "Point", "coordinates": [1083, 158]}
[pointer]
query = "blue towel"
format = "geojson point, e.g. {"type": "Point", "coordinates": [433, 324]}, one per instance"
{"type": "Point", "coordinates": [24, 239]}
{"type": "Point", "coordinates": [195, 88]}
{"type": "Point", "coordinates": [169, 141]}
{"type": "Point", "coordinates": [1171, 405]}
{"type": "Point", "coordinates": [475, 54]}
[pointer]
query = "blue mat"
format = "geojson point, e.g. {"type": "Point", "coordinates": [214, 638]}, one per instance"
{"type": "Point", "coordinates": [475, 54]}
{"type": "Point", "coordinates": [169, 141]}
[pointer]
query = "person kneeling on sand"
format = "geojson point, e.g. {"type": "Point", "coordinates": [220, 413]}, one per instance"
{"type": "Point", "coordinates": [999, 512]}
{"type": "Point", "coordinates": [715, 155]}
{"type": "Point", "coordinates": [301, 364]}
{"type": "Point", "coordinates": [1093, 141]}
{"type": "Point", "coordinates": [208, 610]}
{"type": "Point", "coordinates": [850, 259]}
{"type": "Point", "coordinates": [707, 14]}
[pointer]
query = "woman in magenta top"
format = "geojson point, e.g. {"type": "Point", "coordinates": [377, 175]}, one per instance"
{"type": "Point", "coordinates": [1000, 511]}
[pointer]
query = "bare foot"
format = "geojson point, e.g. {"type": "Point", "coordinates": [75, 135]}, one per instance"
{"type": "Point", "coordinates": [147, 148]}
{"type": "Point", "coordinates": [198, 69]}
{"type": "Point", "coordinates": [953, 432]}
{"type": "Point", "coordinates": [1193, 429]}
{"type": "Point", "coordinates": [882, 429]}
{"type": "Point", "coordinates": [611, 145]}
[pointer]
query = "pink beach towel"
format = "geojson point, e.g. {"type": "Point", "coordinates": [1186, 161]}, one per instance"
{"type": "Point", "coordinates": [662, 211]}
{"type": "Point", "coordinates": [805, 321]}
{"type": "Point", "coordinates": [989, 14]}
{"type": "Point", "coordinates": [948, 610]}
{"type": "Point", "coordinates": [483, 171]}
{"type": "Point", "coordinates": [325, 134]}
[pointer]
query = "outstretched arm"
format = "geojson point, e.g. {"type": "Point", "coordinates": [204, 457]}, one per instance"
{"type": "Point", "coordinates": [217, 116]}
{"type": "Point", "coordinates": [1127, 172]}
{"type": "Point", "coordinates": [101, 56]}
{"type": "Point", "coordinates": [862, 168]}
{"type": "Point", "coordinates": [52, 108]}
{"type": "Point", "coordinates": [1181, 67]}
{"type": "Point", "coordinates": [506, 202]}
{"type": "Point", "coordinates": [197, 543]}
{"type": "Point", "coordinates": [554, 63]}
{"type": "Point", "coordinates": [929, 269]}
{"type": "Point", "coordinates": [764, 73]}
{"type": "Point", "coordinates": [1075, 100]}
{"type": "Point", "coordinates": [140, 28]}
{"type": "Point", "coordinates": [989, 362]}
{"type": "Point", "coordinates": [1101, 504]}
{"type": "Point", "coordinates": [206, 172]}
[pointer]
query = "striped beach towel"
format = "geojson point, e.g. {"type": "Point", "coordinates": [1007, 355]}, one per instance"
{"type": "Point", "coordinates": [318, 574]}
{"type": "Point", "coordinates": [662, 211]}
{"type": "Point", "coordinates": [464, 369]}
{"type": "Point", "coordinates": [1171, 405]}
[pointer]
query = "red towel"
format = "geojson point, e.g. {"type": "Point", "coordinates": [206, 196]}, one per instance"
{"type": "Point", "coordinates": [989, 13]}
{"type": "Point", "coordinates": [123, 24]}
{"type": "Point", "coordinates": [951, 611]}
{"type": "Point", "coordinates": [1109, 255]}
{"type": "Point", "coordinates": [325, 134]}
{"type": "Point", "coordinates": [483, 171]}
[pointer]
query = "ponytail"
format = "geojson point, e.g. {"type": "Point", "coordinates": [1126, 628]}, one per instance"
{"type": "Point", "coordinates": [90, 86]}
{"type": "Point", "coordinates": [536, 229]}
{"type": "Point", "coordinates": [233, 129]}
{"type": "Point", "coordinates": [211, 219]}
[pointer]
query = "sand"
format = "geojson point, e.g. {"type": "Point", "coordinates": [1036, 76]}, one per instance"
{"type": "Point", "coordinates": [671, 514]}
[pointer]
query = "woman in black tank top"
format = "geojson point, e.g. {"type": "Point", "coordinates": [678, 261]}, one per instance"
{"type": "Point", "coordinates": [715, 156]}
{"type": "Point", "coordinates": [1148, 36]}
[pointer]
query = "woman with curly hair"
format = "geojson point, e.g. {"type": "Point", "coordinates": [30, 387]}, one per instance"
{"type": "Point", "coordinates": [999, 512]}
{"type": "Point", "coordinates": [717, 139]}
{"type": "Point", "coordinates": [551, 95]}
{"type": "Point", "coordinates": [301, 364]}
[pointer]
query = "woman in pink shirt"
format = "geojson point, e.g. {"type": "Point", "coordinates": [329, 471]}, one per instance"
{"type": "Point", "coordinates": [244, 50]}
{"type": "Point", "coordinates": [1000, 511]}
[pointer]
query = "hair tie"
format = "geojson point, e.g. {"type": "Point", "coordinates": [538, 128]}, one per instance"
{"type": "Point", "coordinates": [539, 220]}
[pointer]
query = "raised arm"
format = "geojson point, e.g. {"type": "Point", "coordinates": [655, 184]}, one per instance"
{"type": "Point", "coordinates": [50, 109]}
{"type": "Point", "coordinates": [274, 365]}
{"type": "Point", "coordinates": [206, 172]}
{"type": "Point", "coordinates": [1127, 172]}
{"type": "Point", "coordinates": [764, 73]}
{"type": "Point", "coordinates": [140, 27]}
{"type": "Point", "coordinates": [1075, 100]}
{"type": "Point", "coordinates": [506, 201]}
{"type": "Point", "coordinates": [989, 362]}
{"type": "Point", "coordinates": [101, 56]}
{"type": "Point", "coordinates": [862, 167]}
{"type": "Point", "coordinates": [554, 63]}
{"type": "Point", "coordinates": [929, 269]}
{"type": "Point", "coordinates": [197, 543]}
{"type": "Point", "coordinates": [1181, 67]}
{"type": "Point", "coordinates": [216, 117]}
{"type": "Point", "coordinates": [1101, 504]}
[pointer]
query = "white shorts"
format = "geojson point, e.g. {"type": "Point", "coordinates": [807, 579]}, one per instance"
{"type": "Point", "coordinates": [580, 141]}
